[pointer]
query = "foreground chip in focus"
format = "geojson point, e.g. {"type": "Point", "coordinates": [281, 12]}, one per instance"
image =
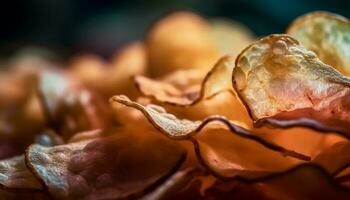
{"type": "Point", "coordinates": [124, 165]}
{"type": "Point", "coordinates": [286, 85]}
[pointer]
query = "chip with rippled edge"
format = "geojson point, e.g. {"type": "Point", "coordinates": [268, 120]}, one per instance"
{"type": "Point", "coordinates": [326, 34]}
{"type": "Point", "coordinates": [283, 84]}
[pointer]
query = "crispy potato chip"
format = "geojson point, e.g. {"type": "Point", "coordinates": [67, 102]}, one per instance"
{"type": "Point", "coordinates": [124, 165]}
{"type": "Point", "coordinates": [229, 156]}
{"type": "Point", "coordinates": [326, 34]}
{"type": "Point", "coordinates": [284, 84]}
{"type": "Point", "coordinates": [70, 108]}
{"type": "Point", "coordinates": [14, 176]}
{"type": "Point", "coordinates": [181, 40]}
{"type": "Point", "coordinates": [217, 80]}
{"type": "Point", "coordinates": [183, 129]}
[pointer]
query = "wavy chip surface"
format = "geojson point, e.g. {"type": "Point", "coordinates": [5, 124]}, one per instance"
{"type": "Point", "coordinates": [284, 84]}
{"type": "Point", "coordinates": [326, 34]}
{"type": "Point", "coordinates": [225, 153]}
{"type": "Point", "coordinates": [14, 176]}
{"type": "Point", "coordinates": [217, 80]}
{"type": "Point", "coordinates": [124, 165]}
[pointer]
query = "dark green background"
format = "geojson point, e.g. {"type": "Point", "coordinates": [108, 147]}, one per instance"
{"type": "Point", "coordinates": [101, 26]}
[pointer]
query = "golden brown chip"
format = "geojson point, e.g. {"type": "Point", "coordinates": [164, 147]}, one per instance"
{"type": "Point", "coordinates": [284, 84]}
{"type": "Point", "coordinates": [14, 176]}
{"type": "Point", "coordinates": [326, 34]}
{"type": "Point", "coordinates": [230, 37]}
{"type": "Point", "coordinates": [124, 165]}
{"type": "Point", "coordinates": [229, 156]}
{"type": "Point", "coordinates": [180, 40]}
{"type": "Point", "coordinates": [216, 81]}
{"type": "Point", "coordinates": [176, 128]}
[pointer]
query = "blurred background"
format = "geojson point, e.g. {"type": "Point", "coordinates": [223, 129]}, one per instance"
{"type": "Point", "coordinates": [102, 26]}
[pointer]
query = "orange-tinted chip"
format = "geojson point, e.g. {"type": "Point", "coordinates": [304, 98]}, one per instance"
{"type": "Point", "coordinates": [326, 34]}
{"type": "Point", "coordinates": [286, 85]}
{"type": "Point", "coordinates": [217, 80]}
{"type": "Point", "coordinates": [176, 128]}
{"type": "Point", "coordinates": [180, 40]}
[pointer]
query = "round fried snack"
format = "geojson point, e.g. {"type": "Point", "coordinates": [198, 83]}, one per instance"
{"type": "Point", "coordinates": [283, 84]}
{"type": "Point", "coordinates": [326, 34]}
{"type": "Point", "coordinates": [124, 165]}
{"type": "Point", "coordinates": [181, 40]}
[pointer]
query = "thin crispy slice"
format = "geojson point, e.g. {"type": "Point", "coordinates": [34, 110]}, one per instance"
{"type": "Point", "coordinates": [124, 165]}
{"type": "Point", "coordinates": [217, 80]}
{"type": "Point", "coordinates": [326, 34]}
{"type": "Point", "coordinates": [183, 129]}
{"type": "Point", "coordinates": [228, 156]}
{"type": "Point", "coordinates": [14, 176]}
{"type": "Point", "coordinates": [284, 84]}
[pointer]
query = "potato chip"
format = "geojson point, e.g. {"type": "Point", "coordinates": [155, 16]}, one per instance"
{"type": "Point", "coordinates": [284, 84]}
{"type": "Point", "coordinates": [124, 165]}
{"type": "Point", "coordinates": [230, 37]}
{"type": "Point", "coordinates": [180, 40]}
{"type": "Point", "coordinates": [14, 176]}
{"type": "Point", "coordinates": [216, 81]}
{"type": "Point", "coordinates": [326, 34]}
{"type": "Point", "coordinates": [183, 129]}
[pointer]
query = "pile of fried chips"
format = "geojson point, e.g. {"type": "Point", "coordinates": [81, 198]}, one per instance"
{"type": "Point", "coordinates": [198, 110]}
